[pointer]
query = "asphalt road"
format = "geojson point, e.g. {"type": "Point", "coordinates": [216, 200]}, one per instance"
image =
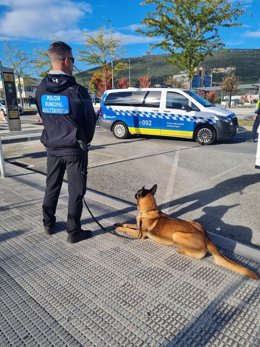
{"type": "Point", "coordinates": [129, 164]}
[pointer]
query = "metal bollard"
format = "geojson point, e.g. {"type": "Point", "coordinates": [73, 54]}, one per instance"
{"type": "Point", "coordinates": [2, 163]}
{"type": "Point", "coordinates": [257, 161]}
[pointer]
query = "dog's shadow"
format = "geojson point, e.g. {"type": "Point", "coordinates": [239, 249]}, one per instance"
{"type": "Point", "coordinates": [205, 197]}
{"type": "Point", "coordinates": [213, 221]}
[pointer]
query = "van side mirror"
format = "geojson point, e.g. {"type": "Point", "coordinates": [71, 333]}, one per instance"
{"type": "Point", "coordinates": [186, 108]}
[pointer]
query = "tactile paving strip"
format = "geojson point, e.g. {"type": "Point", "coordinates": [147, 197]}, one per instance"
{"type": "Point", "coordinates": [112, 290]}
{"type": "Point", "coordinates": [24, 322]}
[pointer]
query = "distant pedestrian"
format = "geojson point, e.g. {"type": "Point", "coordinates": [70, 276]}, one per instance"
{"type": "Point", "coordinates": [69, 123]}
{"type": "Point", "coordinates": [256, 121]}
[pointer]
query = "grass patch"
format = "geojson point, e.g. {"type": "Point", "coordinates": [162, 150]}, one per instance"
{"type": "Point", "coordinates": [244, 122]}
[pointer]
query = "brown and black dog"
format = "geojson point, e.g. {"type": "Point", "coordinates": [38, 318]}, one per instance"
{"type": "Point", "coordinates": [190, 237]}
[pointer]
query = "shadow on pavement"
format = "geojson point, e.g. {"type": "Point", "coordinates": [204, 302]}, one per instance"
{"type": "Point", "coordinates": [213, 218]}
{"type": "Point", "coordinates": [205, 197]}
{"type": "Point", "coordinates": [10, 234]}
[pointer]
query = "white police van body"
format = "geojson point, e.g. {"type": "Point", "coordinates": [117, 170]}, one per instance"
{"type": "Point", "coordinates": [165, 112]}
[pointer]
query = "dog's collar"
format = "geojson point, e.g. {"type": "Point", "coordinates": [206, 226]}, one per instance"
{"type": "Point", "coordinates": [140, 226]}
{"type": "Point", "coordinates": [146, 211]}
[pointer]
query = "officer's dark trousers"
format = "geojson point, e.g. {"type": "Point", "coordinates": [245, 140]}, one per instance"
{"type": "Point", "coordinates": [76, 168]}
{"type": "Point", "coordinates": [255, 127]}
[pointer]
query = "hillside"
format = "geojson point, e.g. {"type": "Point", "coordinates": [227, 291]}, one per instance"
{"type": "Point", "coordinates": [245, 61]}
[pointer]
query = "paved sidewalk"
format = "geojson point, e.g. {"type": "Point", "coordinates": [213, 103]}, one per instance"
{"type": "Point", "coordinates": [110, 290]}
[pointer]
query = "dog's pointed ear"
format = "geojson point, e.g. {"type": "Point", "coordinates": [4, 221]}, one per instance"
{"type": "Point", "coordinates": [153, 189]}
{"type": "Point", "coordinates": [143, 188]}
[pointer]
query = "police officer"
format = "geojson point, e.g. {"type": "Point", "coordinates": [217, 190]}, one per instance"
{"type": "Point", "coordinates": [69, 123]}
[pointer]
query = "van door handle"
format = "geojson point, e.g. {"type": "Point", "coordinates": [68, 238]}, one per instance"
{"type": "Point", "coordinates": [166, 111]}
{"type": "Point", "coordinates": [156, 110]}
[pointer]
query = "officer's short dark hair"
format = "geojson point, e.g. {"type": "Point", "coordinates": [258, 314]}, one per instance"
{"type": "Point", "coordinates": [59, 50]}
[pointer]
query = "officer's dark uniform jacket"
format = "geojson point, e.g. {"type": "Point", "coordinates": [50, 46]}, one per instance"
{"type": "Point", "coordinates": [67, 113]}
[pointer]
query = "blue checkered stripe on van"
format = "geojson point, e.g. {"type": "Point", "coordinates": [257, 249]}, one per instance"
{"type": "Point", "coordinates": [169, 116]}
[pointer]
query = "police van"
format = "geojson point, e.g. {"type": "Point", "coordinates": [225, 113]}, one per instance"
{"type": "Point", "coordinates": [165, 112]}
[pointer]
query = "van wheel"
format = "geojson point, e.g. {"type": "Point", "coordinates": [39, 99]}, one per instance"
{"type": "Point", "coordinates": [120, 130]}
{"type": "Point", "coordinates": [205, 134]}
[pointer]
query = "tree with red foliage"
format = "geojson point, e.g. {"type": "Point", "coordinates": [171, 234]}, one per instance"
{"type": "Point", "coordinates": [98, 83]}
{"type": "Point", "coordinates": [101, 50]}
{"type": "Point", "coordinates": [144, 81]}
{"type": "Point", "coordinates": [212, 97]}
{"type": "Point", "coordinates": [123, 83]}
{"type": "Point", "coordinates": [201, 93]}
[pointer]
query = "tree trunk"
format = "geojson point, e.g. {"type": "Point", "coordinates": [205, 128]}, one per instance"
{"type": "Point", "coordinates": [20, 91]}
{"type": "Point", "coordinates": [230, 97]}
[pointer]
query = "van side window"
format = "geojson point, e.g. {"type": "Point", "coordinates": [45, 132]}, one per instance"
{"type": "Point", "coordinates": [152, 99]}
{"type": "Point", "coordinates": [194, 107]}
{"type": "Point", "coordinates": [134, 98]}
{"type": "Point", "coordinates": [176, 100]}
{"type": "Point", "coordinates": [120, 98]}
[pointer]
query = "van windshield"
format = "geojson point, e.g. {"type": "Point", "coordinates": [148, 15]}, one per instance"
{"type": "Point", "coordinates": [198, 98]}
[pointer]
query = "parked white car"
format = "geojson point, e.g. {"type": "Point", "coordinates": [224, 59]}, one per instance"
{"type": "Point", "coordinates": [3, 107]}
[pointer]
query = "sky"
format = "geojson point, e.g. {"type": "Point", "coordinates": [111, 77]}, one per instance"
{"type": "Point", "coordinates": [30, 24]}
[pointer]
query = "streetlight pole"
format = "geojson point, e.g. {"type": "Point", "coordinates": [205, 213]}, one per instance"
{"type": "Point", "coordinates": [112, 73]}
{"type": "Point", "coordinates": [129, 73]}
{"type": "Point", "coordinates": [111, 56]}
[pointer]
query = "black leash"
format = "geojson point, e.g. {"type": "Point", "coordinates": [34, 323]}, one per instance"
{"type": "Point", "coordinates": [101, 226]}
{"type": "Point", "coordinates": [94, 219]}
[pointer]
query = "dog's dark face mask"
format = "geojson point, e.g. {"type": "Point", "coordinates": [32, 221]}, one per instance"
{"type": "Point", "coordinates": [141, 193]}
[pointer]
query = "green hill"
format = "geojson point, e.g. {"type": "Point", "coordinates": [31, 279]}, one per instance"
{"type": "Point", "coordinates": [245, 61]}
{"type": "Point", "coordinates": [245, 64]}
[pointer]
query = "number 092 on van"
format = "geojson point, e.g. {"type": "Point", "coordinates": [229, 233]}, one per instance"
{"type": "Point", "coordinates": [165, 112]}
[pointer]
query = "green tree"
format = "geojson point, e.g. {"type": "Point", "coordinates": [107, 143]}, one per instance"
{"type": "Point", "coordinates": [101, 50]}
{"type": "Point", "coordinates": [20, 63]}
{"type": "Point", "coordinates": [189, 30]}
{"type": "Point", "coordinates": [41, 62]}
{"type": "Point", "coordinates": [229, 85]}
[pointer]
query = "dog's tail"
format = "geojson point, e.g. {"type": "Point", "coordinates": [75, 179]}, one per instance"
{"type": "Point", "coordinates": [229, 264]}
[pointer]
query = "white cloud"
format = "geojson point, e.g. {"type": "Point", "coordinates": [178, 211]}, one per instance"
{"type": "Point", "coordinates": [234, 43]}
{"type": "Point", "coordinates": [54, 19]}
{"type": "Point", "coordinates": [134, 39]}
{"type": "Point", "coordinates": [21, 19]}
{"type": "Point", "coordinates": [133, 27]}
{"type": "Point", "coordinates": [71, 35]}
{"type": "Point", "coordinates": [255, 34]}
